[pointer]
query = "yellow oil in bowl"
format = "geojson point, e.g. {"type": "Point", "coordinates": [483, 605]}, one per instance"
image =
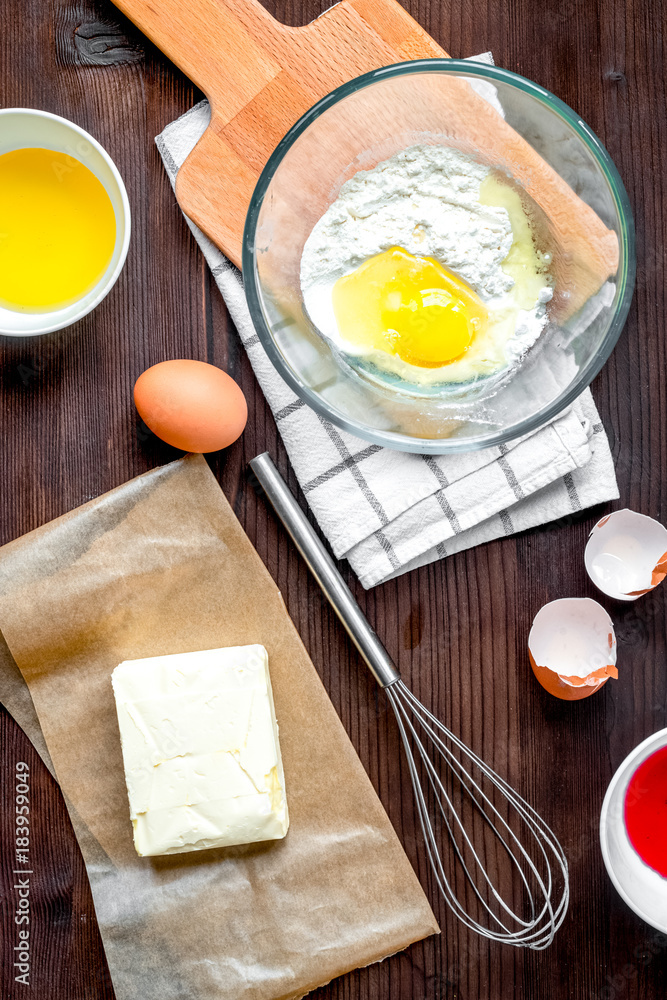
{"type": "Point", "coordinates": [57, 230]}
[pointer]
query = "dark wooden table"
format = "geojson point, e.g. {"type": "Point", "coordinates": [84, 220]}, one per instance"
{"type": "Point", "coordinates": [69, 433]}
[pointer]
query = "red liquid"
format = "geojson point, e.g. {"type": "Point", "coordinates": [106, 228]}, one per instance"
{"type": "Point", "coordinates": [646, 811]}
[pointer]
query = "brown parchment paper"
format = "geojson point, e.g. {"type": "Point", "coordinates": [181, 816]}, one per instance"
{"type": "Point", "coordinates": [161, 565]}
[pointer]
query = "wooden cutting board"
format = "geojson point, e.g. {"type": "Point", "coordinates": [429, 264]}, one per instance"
{"type": "Point", "coordinates": [260, 76]}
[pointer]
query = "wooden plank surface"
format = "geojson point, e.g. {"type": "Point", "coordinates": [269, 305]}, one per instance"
{"type": "Point", "coordinates": [458, 629]}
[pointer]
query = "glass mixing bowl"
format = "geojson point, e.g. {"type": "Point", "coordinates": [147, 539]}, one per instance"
{"type": "Point", "coordinates": [452, 103]}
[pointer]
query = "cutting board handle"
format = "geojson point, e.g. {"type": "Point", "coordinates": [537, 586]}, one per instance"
{"type": "Point", "coordinates": [260, 76]}
{"type": "Point", "coordinates": [212, 41]}
{"type": "Point", "coordinates": [232, 49]}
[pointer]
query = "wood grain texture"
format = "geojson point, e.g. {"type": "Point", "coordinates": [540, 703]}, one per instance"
{"type": "Point", "coordinates": [457, 629]}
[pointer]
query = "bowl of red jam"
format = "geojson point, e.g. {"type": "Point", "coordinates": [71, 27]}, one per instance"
{"type": "Point", "coordinates": [633, 830]}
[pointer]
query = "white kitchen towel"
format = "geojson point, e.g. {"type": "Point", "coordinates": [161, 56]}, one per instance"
{"type": "Point", "coordinates": [386, 511]}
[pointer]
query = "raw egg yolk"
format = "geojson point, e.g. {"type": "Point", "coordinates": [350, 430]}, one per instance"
{"type": "Point", "coordinates": [409, 306]}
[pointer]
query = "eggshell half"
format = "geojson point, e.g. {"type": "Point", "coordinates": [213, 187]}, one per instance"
{"type": "Point", "coordinates": [572, 648]}
{"type": "Point", "coordinates": [191, 405]}
{"type": "Point", "coordinates": [626, 555]}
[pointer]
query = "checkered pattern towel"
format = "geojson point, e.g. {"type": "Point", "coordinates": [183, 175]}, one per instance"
{"type": "Point", "coordinates": [388, 512]}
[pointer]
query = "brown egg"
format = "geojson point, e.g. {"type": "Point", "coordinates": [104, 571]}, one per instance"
{"type": "Point", "coordinates": [191, 405]}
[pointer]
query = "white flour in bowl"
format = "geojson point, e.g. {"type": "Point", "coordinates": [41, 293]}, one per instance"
{"type": "Point", "coordinates": [426, 199]}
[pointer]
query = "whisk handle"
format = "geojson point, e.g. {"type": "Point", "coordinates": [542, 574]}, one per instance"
{"type": "Point", "coordinates": [324, 570]}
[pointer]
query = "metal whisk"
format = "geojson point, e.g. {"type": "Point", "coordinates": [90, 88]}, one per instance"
{"type": "Point", "coordinates": [495, 836]}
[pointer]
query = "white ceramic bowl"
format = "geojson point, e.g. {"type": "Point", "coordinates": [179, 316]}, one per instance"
{"type": "Point", "coordinates": [642, 888]}
{"type": "Point", "coordinates": [23, 127]}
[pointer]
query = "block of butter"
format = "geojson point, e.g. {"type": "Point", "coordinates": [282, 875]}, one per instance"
{"type": "Point", "coordinates": [200, 750]}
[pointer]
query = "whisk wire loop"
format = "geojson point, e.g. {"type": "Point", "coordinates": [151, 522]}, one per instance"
{"type": "Point", "coordinates": [537, 929]}
{"type": "Point", "coordinates": [475, 793]}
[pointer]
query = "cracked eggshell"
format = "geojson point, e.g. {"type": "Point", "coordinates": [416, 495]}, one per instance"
{"type": "Point", "coordinates": [626, 554]}
{"type": "Point", "coordinates": [572, 647]}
